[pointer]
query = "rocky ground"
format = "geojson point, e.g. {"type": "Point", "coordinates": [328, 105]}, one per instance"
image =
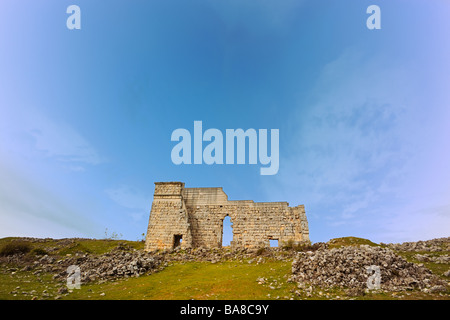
{"type": "Point", "coordinates": [322, 265]}
{"type": "Point", "coordinates": [120, 262]}
{"type": "Point", "coordinates": [346, 267]}
{"type": "Point", "coordinates": [433, 245]}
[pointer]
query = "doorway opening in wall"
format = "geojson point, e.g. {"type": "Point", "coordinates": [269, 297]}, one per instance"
{"type": "Point", "coordinates": [273, 243]}
{"type": "Point", "coordinates": [177, 239]}
{"type": "Point", "coordinates": [227, 231]}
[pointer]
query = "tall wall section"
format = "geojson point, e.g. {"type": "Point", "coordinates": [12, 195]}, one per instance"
{"type": "Point", "coordinates": [168, 218]}
{"type": "Point", "coordinates": [198, 213]}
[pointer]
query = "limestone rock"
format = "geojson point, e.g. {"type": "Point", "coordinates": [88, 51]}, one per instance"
{"type": "Point", "coordinates": [346, 267]}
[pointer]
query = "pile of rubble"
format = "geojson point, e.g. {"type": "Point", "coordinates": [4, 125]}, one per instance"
{"type": "Point", "coordinates": [347, 267]}
{"type": "Point", "coordinates": [432, 258]}
{"type": "Point", "coordinates": [118, 263]}
{"type": "Point", "coordinates": [434, 245]}
{"type": "Point", "coordinates": [226, 254]}
{"type": "Point", "coordinates": [124, 261]}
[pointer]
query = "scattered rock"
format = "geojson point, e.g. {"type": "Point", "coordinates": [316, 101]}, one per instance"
{"type": "Point", "coordinates": [343, 267]}
{"type": "Point", "coordinates": [346, 267]}
{"type": "Point", "coordinates": [438, 288]}
{"type": "Point", "coordinates": [354, 292]}
{"type": "Point", "coordinates": [433, 245]}
{"type": "Point", "coordinates": [432, 258]}
{"type": "Point", "coordinates": [62, 290]}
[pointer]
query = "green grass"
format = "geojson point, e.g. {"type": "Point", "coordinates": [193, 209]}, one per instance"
{"type": "Point", "coordinates": [436, 268]}
{"type": "Point", "coordinates": [198, 280]}
{"type": "Point", "coordinates": [350, 241]}
{"type": "Point", "coordinates": [191, 280]}
{"type": "Point", "coordinates": [97, 246]}
{"type": "Point", "coordinates": [228, 280]}
{"type": "Point", "coordinates": [61, 247]}
{"type": "Point", "coordinates": [33, 285]}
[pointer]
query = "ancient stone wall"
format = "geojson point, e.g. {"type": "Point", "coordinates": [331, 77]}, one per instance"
{"type": "Point", "coordinates": [195, 215]}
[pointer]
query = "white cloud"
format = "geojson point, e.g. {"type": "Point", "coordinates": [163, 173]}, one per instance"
{"type": "Point", "coordinates": [136, 202]}
{"type": "Point", "coordinates": [30, 145]}
{"type": "Point", "coordinates": [77, 168]}
{"type": "Point", "coordinates": [349, 133]}
{"type": "Point", "coordinates": [28, 208]}
{"type": "Point", "coordinates": [33, 134]}
{"type": "Point", "coordinates": [412, 223]}
{"type": "Point", "coordinates": [353, 153]}
{"type": "Point", "coordinates": [60, 141]}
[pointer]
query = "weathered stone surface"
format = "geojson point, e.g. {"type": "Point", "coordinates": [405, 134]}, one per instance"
{"type": "Point", "coordinates": [430, 258]}
{"type": "Point", "coordinates": [120, 262]}
{"type": "Point", "coordinates": [346, 267]}
{"type": "Point", "coordinates": [196, 216]}
{"type": "Point", "coordinates": [433, 245]}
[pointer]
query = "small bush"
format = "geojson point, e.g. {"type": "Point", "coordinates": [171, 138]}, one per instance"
{"type": "Point", "coordinates": [287, 245]}
{"type": "Point", "coordinates": [302, 246]}
{"type": "Point", "coordinates": [12, 248]}
{"type": "Point", "coordinates": [260, 251]}
{"type": "Point", "coordinates": [113, 236]}
{"type": "Point", "coordinates": [75, 248]}
{"type": "Point", "coordinates": [39, 252]}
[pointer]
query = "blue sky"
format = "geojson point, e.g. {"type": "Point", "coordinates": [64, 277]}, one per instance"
{"type": "Point", "coordinates": [86, 115]}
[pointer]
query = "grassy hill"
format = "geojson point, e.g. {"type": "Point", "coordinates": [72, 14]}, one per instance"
{"type": "Point", "coordinates": [262, 277]}
{"type": "Point", "coordinates": [61, 247]}
{"type": "Point", "coordinates": [349, 241]}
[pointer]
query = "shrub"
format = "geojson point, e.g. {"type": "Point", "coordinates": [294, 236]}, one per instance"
{"type": "Point", "coordinates": [17, 247]}
{"type": "Point", "coordinates": [287, 245]}
{"type": "Point", "coordinates": [113, 236]}
{"type": "Point", "coordinates": [39, 252]}
{"type": "Point", "coordinates": [260, 251]}
{"type": "Point", "coordinates": [303, 246]}
{"type": "Point", "coordinates": [75, 248]}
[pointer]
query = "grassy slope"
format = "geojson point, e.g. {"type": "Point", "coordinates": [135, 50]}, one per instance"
{"type": "Point", "coordinates": [94, 246]}
{"type": "Point", "coordinates": [349, 241]}
{"type": "Point", "coordinates": [197, 280]}
{"type": "Point", "coordinates": [184, 280]}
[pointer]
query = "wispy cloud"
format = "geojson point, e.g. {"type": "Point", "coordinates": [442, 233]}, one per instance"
{"type": "Point", "coordinates": [31, 143]}
{"type": "Point", "coordinates": [28, 208]}
{"type": "Point", "coordinates": [350, 133]}
{"type": "Point", "coordinates": [62, 142]}
{"type": "Point", "coordinates": [34, 134]}
{"type": "Point", "coordinates": [351, 152]}
{"type": "Point", "coordinates": [136, 202]}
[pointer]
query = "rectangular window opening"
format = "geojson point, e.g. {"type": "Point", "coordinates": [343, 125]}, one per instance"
{"type": "Point", "coordinates": [273, 243]}
{"type": "Point", "coordinates": [177, 239]}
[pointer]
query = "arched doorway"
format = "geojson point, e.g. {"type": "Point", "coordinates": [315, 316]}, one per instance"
{"type": "Point", "coordinates": [227, 231]}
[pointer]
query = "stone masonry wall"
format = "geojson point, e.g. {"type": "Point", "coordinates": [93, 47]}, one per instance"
{"type": "Point", "coordinates": [196, 214]}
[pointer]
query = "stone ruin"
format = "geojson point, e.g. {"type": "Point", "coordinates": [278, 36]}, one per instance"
{"type": "Point", "coordinates": [193, 218]}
